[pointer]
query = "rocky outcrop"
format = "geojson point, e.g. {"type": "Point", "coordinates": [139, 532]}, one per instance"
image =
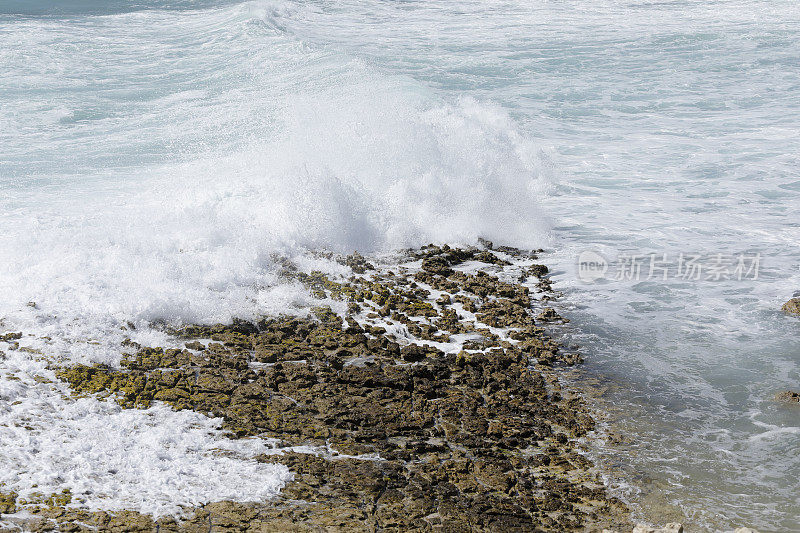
{"type": "Point", "coordinates": [792, 307]}
{"type": "Point", "coordinates": [459, 424]}
{"type": "Point", "coordinates": [788, 397]}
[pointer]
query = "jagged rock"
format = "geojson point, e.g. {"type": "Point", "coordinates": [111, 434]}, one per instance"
{"type": "Point", "coordinates": [792, 307]}
{"type": "Point", "coordinates": [357, 263]}
{"type": "Point", "coordinates": [195, 345]}
{"type": "Point", "coordinates": [8, 337]}
{"type": "Point", "coordinates": [453, 431]}
{"type": "Point", "coordinates": [788, 396]}
{"type": "Point", "coordinates": [538, 270]}
{"type": "Point", "coordinates": [437, 265]}
{"type": "Point", "coordinates": [549, 314]}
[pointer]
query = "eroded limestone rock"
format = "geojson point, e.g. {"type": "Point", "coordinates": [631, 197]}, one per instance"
{"type": "Point", "coordinates": [411, 437]}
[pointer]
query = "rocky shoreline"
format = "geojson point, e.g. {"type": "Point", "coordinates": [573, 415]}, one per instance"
{"type": "Point", "coordinates": [433, 404]}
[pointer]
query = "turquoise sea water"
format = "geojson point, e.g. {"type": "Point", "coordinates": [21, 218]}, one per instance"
{"type": "Point", "coordinates": [153, 156]}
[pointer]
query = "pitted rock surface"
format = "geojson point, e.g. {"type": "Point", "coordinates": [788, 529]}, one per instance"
{"type": "Point", "coordinates": [431, 406]}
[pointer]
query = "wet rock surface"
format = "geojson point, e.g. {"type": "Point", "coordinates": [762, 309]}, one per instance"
{"type": "Point", "coordinates": [792, 307]}
{"type": "Point", "coordinates": [432, 405]}
{"type": "Point", "coordinates": [788, 396]}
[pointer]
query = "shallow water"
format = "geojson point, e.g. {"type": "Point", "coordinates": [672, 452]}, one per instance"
{"type": "Point", "coordinates": [155, 155]}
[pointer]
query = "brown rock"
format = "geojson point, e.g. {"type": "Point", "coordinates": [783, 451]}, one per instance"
{"type": "Point", "coordinates": [422, 440]}
{"type": "Point", "coordinates": [788, 396]}
{"type": "Point", "coordinates": [792, 307]}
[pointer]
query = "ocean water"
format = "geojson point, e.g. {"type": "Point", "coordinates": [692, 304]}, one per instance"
{"type": "Point", "coordinates": [155, 155]}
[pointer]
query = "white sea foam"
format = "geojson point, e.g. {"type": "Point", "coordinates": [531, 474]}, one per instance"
{"type": "Point", "coordinates": [153, 164]}
{"type": "Point", "coordinates": [155, 461]}
{"type": "Point", "coordinates": [353, 160]}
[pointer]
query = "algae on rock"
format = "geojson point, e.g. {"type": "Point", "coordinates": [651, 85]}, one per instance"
{"type": "Point", "coordinates": [450, 426]}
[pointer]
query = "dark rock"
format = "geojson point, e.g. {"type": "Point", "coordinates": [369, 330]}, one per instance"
{"type": "Point", "coordinates": [437, 265]}
{"type": "Point", "coordinates": [549, 314]}
{"type": "Point", "coordinates": [195, 345]}
{"type": "Point", "coordinates": [538, 270]}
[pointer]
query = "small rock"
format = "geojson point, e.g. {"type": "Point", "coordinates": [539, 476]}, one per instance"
{"type": "Point", "coordinates": [788, 396]}
{"type": "Point", "coordinates": [572, 359]}
{"type": "Point", "coordinates": [437, 265]}
{"type": "Point", "coordinates": [538, 270]}
{"type": "Point", "coordinates": [744, 530]}
{"type": "Point", "coordinates": [550, 315]}
{"type": "Point", "coordinates": [412, 353]}
{"type": "Point", "coordinates": [792, 307]}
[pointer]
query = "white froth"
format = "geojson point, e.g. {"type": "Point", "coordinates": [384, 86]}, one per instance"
{"type": "Point", "coordinates": [162, 190]}
{"type": "Point", "coordinates": [156, 461]}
